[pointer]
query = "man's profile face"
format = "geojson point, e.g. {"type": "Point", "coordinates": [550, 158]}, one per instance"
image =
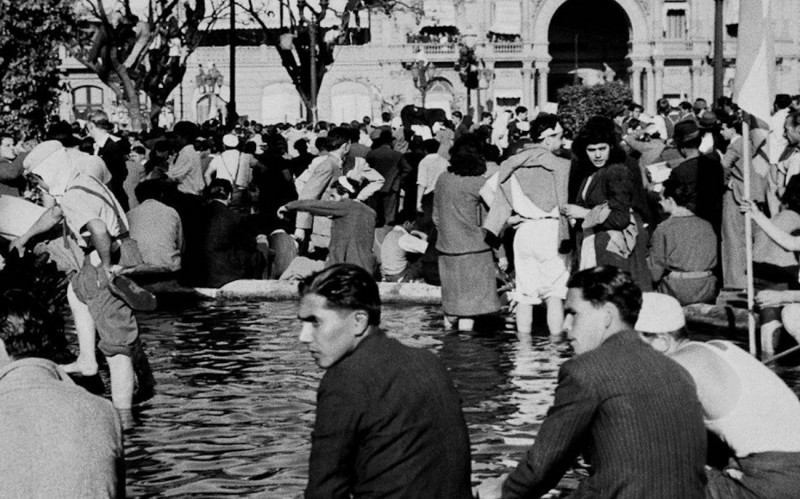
{"type": "Point", "coordinates": [330, 334]}
{"type": "Point", "coordinates": [584, 322]}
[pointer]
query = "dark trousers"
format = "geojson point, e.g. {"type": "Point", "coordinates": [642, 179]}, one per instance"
{"type": "Point", "coordinates": [385, 205]}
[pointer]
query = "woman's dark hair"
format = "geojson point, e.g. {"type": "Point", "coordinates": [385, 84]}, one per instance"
{"type": "Point", "coordinates": [345, 287]}
{"type": "Point", "coordinates": [608, 284]}
{"type": "Point", "coordinates": [663, 106]}
{"type": "Point", "coordinates": [466, 157]}
{"type": "Point", "coordinates": [681, 192]}
{"type": "Point", "coordinates": [250, 147]}
{"type": "Point", "coordinates": [219, 188]}
{"type": "Point", "coordinates": [598, 130]}
{"type": "Point", "coordinates": [791, 197]}
{"type": "Point", "coordinates": [26, 328]}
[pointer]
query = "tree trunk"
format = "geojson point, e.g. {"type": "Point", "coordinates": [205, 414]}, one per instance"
{"type": "Point", "coordinates": [138, 121]}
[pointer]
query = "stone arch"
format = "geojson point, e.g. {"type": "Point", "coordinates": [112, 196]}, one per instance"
{"type": "Point", "coordinates": [281, 103]}
{"type": "Point", "coordinates": [350, 100]}
{"type": "Point", "coordinates": [440, 95]}
{"type": "Point", "coordinates": [640, 25]}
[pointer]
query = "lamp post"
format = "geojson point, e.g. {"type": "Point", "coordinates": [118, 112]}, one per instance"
{"type": "Point", "coordinates": [313, 24]}
{"type": "Point", "coordinates": [719, 56]}
{"type": "Point", "coordinates": [467, 66]}
{"type": "Point", "coordinates": [232, 118]}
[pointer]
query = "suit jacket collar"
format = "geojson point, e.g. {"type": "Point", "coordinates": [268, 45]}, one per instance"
{"type": "Point", "coordinates": [623, 337]}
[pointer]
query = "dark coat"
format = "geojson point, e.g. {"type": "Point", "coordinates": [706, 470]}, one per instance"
{"type": "Point", "coordinates": [115, 155]}
{"type": "Point", "coordinates": [389, 425]}
{"type": "Point", "coordinates": [227, 253]}
{"type": "Point", "coordinates": [391, 165]}
{"type": "Point", "coordinates": [633, 413]}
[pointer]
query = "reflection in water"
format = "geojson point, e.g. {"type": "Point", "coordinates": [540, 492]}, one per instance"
{"type": "Point", "coordinates": [236, 395]}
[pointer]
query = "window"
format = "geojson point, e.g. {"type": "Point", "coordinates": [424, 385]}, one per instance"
{"type": "Point", "coordinates": [85, 100]}
{"type": "Point", "coordinates": [676, 23]}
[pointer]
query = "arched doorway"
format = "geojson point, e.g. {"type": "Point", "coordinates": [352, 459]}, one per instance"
{"type": "Point", "coordinates": [584, 35]}
{"type": "Point", "coordinates": [440, 95]}
{"type": "Point", "coordinates": [350, 101]}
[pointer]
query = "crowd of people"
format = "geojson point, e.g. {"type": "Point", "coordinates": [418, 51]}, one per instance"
{"type": "Point", "coordinates": [504, 214]}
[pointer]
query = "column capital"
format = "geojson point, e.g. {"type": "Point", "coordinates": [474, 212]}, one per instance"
{"type": "Point", "coordinates": [542, 66]}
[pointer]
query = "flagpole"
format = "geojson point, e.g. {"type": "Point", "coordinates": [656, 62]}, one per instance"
{"type": "Point", "coordinates": [748, 235]}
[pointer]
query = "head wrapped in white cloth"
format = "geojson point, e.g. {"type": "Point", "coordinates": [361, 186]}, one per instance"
{"type": "Point", "coordinates": [50, 161]}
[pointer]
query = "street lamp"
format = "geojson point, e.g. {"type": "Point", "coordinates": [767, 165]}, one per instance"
{"type": "Point", "coordinates": [420, 73]}
{"type": "Point", "coordinates": [467, 66]}
{"type": "Point", "coordinates": [313, 25]}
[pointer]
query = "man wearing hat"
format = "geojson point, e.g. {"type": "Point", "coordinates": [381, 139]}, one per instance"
{"type": "Point", "coordinates": [744, 403]}
{"type": "Point", "coordinates": [95, 219]}
{"type": "Point", "coordinates": [702, 173]}
{"type": "Point", "coordinates": [232, 165]}
{"type": "Point", "coordinates": [632, 413]}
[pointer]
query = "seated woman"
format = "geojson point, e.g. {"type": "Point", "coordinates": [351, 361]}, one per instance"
{"type": "Point", "coordinates": [353, 225]}
{"type": "Point", "coordinates": [228, 252]}
{"type": "Point", "coordinates": [683, 251]}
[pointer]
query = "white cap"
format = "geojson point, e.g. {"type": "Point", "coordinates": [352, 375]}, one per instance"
{"type": "Point", "coordinates": [230, 140]}
{"type": "Point", "coordinates": [660, 313]}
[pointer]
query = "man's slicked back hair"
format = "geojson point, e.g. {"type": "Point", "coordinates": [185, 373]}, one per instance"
{"type": "Point", "coordinates": [345, 287]}
{"type": "Point", "coordinates": [608, 284]}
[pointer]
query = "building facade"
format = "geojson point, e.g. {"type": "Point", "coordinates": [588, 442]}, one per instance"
{"type": "Point", "coordinates": [528, 49]}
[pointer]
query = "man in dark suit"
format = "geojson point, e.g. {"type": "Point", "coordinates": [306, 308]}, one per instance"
{"type": "Point", "coordinates": [394, 168]}
{"type": "Point", "coordinates": [634, 416]}
{"type": "Point", "coordinates": [114, 152]}
{"type": "Point", "coordinates": [389, 421]}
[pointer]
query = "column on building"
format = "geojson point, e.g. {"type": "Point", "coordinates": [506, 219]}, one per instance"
{"type": "Point", "coordinates": [636, 82]}
{"type": "Point", "coordinates": [649, 101]}
{"type": "Point", "coordinates": [696, 74]}
{"type": "Point", "coordinates": [527, 86]}
{"type": "Point", "coordinates": [525, 27]}
{"type": "Point", "coordinates": [659, 84]}
{"type": "Point", "coordinates": [542, 70]}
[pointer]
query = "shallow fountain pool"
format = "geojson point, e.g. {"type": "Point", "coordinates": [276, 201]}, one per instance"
{"type": "Point", "coordinates": [236, 393]}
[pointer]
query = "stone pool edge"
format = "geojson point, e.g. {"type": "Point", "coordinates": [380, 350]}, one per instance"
{"type": "Point", "coordinates": [731, 321]}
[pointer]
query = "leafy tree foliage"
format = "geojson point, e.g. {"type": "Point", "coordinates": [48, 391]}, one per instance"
{"type": "Point", "coordinates": [578, 103]}
{"type": "Point", "coordinates": [30, 34]}
{"type": "Point", "coordinates": [141, 53]}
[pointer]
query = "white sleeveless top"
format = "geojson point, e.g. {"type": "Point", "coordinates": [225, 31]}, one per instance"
{"type": "Point", "coordinates": [767, 415]}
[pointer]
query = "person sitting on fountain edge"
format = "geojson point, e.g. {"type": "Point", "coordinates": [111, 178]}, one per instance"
{"type": "Point", "coordinates": [744, 403]}
{"type": "Point", "coordinates": [389, 421]}
{"type": "Point", "coordinates": [634, 415]}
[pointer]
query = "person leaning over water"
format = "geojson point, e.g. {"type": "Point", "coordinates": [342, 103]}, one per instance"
{"type": "Point", "coordinates": [748, 406]}
{"type": "Point", "coordinates": [389, 421]}
{"type": "Point", "coordinates": [633, 413]}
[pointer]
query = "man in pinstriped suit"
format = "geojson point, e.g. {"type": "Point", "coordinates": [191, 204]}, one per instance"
{"type": "Point", "coordinates": [634, 416]}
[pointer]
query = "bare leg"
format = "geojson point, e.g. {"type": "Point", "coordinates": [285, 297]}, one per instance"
{"type": "Point", "coordinates": [86, 364]}
{"type": "Point", "coordinates": [120, 368]}
{"type": "Point", "coordinates": [524, 321]}
{"type": "Point", "coordinates": [466, 324]}
{"type": "Point", "coordinates": [555, 316]}
{"type": "Point", "coordinates": [791, 320]}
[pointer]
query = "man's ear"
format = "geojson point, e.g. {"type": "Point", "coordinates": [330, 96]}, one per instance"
{"type": "Point", "coordinates": [362, 321]}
